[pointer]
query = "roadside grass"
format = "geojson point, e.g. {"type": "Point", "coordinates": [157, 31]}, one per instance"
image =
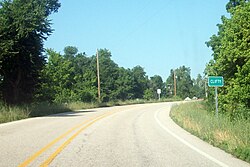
{"type": "Point", "coordinates": [82, 105]}
{"type": "Point", "coordinates": [13, 113]}
{"type": "Point", "coordinates": [43, 109]}
{"type": "Point", "coordinates": [8, 114]}
{"type": "Point", "coordinates": [231, 136]}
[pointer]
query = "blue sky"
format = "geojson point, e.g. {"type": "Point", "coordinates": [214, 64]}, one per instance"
{"type": "Point", "coordinates": [158, 35]}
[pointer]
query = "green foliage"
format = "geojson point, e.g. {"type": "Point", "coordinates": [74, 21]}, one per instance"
{"type": "Point", "coordinates": [85, 78]}
{"type": "Point", "coordinates": [231, 136]}
{"type": "Point", "coordinates": [72, 78]}
{"type": "Point", "coordinates": [185, 86]}
{"type": "Point", "coordinates": [231, 58]}
{"type": "Point", "coordinates": [67, 80]}
{"type": "Point", "coordinates": [154, 83]}
{"type": "Point", "coordinates": [24, 25]}
{"type": "Point", "coordinates": [149, 94]}
{"type": "Point", "coordinates": [141, 81]}
{"type": "Point", "coordinates": [70, 52]}
{"type": "Point", "coordinates": [184, 82]}
{"type": "Point", "coordinates": [234, 3]}
{"type": "Point", "coordinates": [109, 72]}
{"type": "Point", "coordinates": [157, 83]}
{"type": "Point", "coordinates": [198, 89]}
{"type": "Point", "coordinates": [124, 85]}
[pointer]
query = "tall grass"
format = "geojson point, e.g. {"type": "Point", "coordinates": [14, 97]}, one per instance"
{"type": "Point", "coordinates": [13, 113]}
{"type": "Point", "coordinates": [8, 114]}
{"type": "Point", "coordinates": [42, 109]}
{"type": "Point", "coordinates": [231, 136]}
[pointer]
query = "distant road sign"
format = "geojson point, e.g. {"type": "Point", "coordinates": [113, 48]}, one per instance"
{"type": "Point", "coordinates": [158, 91]}
{"type": "Point", "coordinates": [215, 81]}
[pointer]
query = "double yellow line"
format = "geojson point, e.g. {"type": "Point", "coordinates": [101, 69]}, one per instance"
{"type": "Point", "coordinates": [84, 125]}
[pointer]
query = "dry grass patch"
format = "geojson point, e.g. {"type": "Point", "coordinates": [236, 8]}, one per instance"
{"type": "Point", "coordinates": [222, 136]}
{"type": "Point", "coordinates": [191, 125]}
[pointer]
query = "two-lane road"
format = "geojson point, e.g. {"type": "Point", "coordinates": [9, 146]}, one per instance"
{"type": "Point", "coordinates": [135, 135]}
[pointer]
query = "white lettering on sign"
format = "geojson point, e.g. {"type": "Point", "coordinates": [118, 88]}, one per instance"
{"type": "Point", "coordinates": [215, 81]}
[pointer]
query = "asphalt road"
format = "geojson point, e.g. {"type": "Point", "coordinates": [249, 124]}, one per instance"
{"type": "Point", "coordinates": [129, 136]}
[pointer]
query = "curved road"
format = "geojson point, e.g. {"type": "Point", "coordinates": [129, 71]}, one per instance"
{"type": "Point", "coordinates": [135, 135]}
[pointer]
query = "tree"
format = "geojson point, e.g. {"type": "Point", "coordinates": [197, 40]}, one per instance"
{"type": "Point", "coordinates": [234, 3]}
{"type": "Point", "coordinates": [24, 25]}
{"type": "Point", "coordinates": [68, 79]}
{"type": "Point", "coordinates": [124, 85]}
{"type": "Point", "coordinates": [109, 72]}
{"type": "Point", "coordinates": [198, 89]}
{"type": "Point", "coordinates": [70, 52]}
{"type": "Point", "coordinates": [184, 82]}
{"type": "Point", "coordinates": [231, 57]}
{"type": "Point", "coordinates": [140, 81]}
{"type": "Point", "coordinates": [148, 94]}
{"type": "Point", "coordinates": [85, 79]}
{"type": "Point", "coordinates": [154, 84]}
{"type": "Point", "coordinates": [58, 79]}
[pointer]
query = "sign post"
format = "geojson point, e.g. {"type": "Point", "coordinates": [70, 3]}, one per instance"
{"type": "Point", "coordinates": [216, 81]}
{"type": "Point", "coordinates": [216, 101]}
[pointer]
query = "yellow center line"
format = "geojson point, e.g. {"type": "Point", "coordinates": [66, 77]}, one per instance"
{"type": "Point", "coordinates": [60, 149]}
{"type": "Point", "coordinates": [38, 153]}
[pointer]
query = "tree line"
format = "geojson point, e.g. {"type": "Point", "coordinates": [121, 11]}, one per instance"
{"type": "Point", "coordinates": [30, 73]}
{"type": "Point", "coordinates": [72, 76]}
{"type": "Point", "coordinates": [231, 59]}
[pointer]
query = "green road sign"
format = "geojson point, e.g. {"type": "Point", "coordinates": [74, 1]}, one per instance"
{"type": "Point", "coordinates": [215, 81]}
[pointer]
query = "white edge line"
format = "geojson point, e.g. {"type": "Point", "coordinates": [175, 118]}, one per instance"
{"type": "Point", "coordinates": [188, 144]}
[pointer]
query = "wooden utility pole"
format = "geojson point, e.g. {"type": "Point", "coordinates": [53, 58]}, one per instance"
{"type": "Point", "coordinates": [174, 84]}
{"type": "Point", "coordinates": [98, 76]}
